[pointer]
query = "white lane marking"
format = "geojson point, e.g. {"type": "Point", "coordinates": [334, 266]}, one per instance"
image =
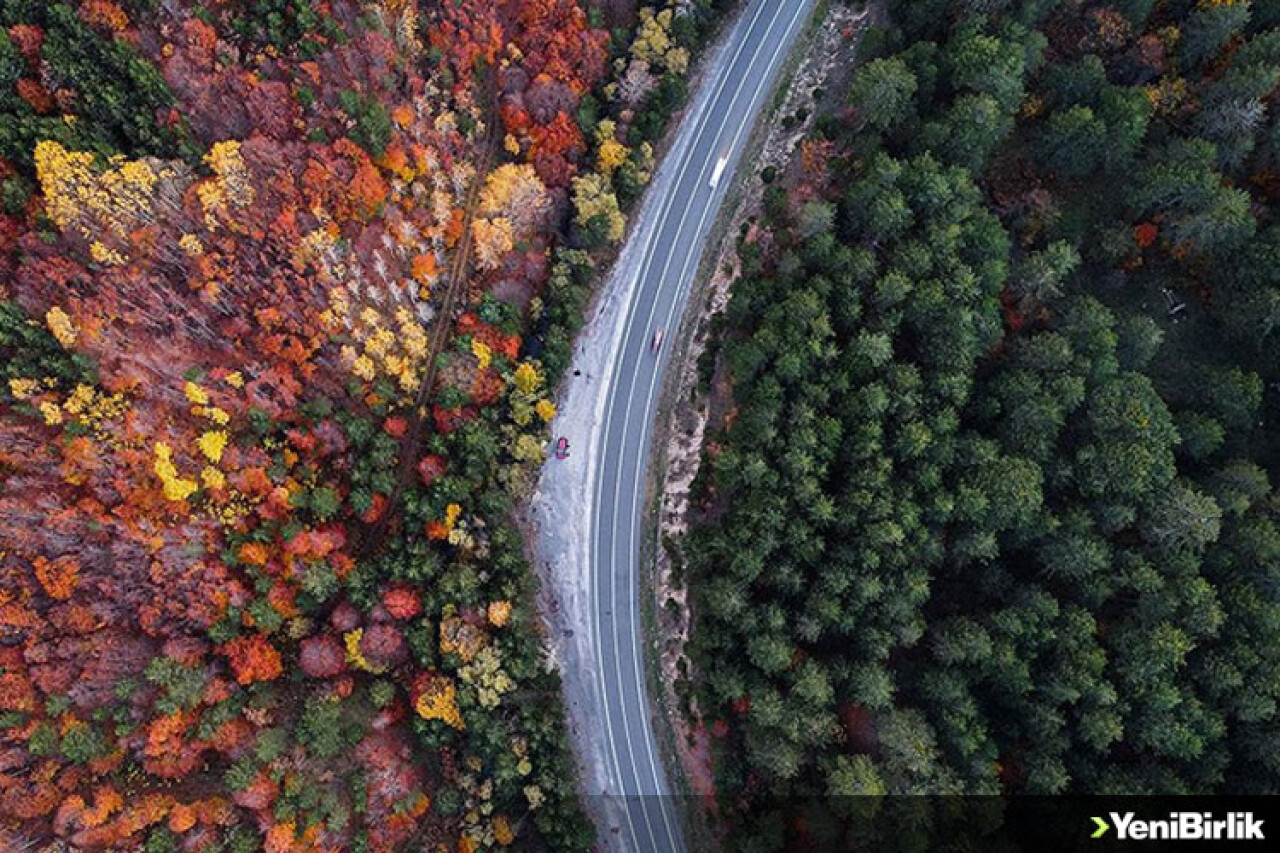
{"type": "Point", "coordinates": [707, 110]}
{"type": "Point", "coordinates": [689, 255]}
{"type": "Point", "coordinates": [632, 604]}
{"type": "Point", "coordinates": [681, 283]}
{"type": "Point", "coordinates": [628, 330]}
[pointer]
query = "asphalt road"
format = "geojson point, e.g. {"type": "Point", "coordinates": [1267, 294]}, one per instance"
{"type": "Point", "coordinates": [756, 50]}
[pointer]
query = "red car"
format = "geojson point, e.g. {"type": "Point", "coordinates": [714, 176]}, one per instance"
{"type": "Point", "coordinates": [562, 448]}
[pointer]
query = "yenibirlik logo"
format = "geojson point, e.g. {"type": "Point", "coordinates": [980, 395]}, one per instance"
{"type": "Point", "coordinates": [1183, 826]}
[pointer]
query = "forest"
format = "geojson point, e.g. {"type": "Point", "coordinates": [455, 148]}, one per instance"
{"type": "Point", "coordinates": [991, 508]}
{"type": "Point", "coordinates": [285, 290]}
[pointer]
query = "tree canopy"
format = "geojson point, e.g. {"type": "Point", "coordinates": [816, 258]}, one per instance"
{"type": "Point", "coordinates": [966, 525]}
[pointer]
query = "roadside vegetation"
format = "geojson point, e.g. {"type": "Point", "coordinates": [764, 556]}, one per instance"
{"type": "Point", "coordinates": [991, 508]}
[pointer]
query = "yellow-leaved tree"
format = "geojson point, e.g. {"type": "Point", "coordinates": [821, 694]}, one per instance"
{"type": "Point", "coordinates": [653, 43]}
{"type": "Point", "coordinates": [611, 153]}
{"type": "Point", "coordinates": [514, 191]}
{"type": "Point", "coordinates": [76, 195]}
{"type": "Point", "coordinates": [596, 207]}
{"type": "Point", "coordinates": [513, 205]}
{"type": "Point", "coordinates": [493, 239]}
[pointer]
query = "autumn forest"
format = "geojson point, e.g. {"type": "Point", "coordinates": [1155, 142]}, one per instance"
{"type": "Point", "coordinates": [986, 502]}
{"type": "Point", "coordinates": [285, 287]}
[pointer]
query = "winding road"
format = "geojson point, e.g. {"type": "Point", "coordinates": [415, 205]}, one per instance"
{"type": "Point", "coordinates": [589, 510]}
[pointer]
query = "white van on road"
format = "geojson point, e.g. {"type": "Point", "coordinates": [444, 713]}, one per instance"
{"type": "Point", "coordinates": [718, 171]}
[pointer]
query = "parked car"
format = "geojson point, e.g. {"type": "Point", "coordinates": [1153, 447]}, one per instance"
{"type": "Point", "coordinates": [562, 448]}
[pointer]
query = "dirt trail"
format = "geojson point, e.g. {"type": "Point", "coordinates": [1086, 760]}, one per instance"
{"type": "Point", "coordinates": [441, 331]}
